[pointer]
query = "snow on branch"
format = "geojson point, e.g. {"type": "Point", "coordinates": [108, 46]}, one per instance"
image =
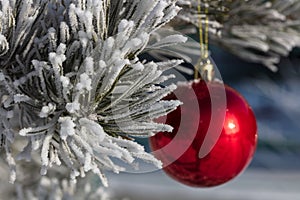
{"type": "Point", "coordinates": [256, 30]}
{"type": "Point", "coordinates": [73, 89]}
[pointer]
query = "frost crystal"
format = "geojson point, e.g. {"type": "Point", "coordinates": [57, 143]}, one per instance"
{"type": "Point", "coordinates": [66, 127]}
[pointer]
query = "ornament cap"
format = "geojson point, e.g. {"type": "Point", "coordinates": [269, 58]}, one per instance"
{"type": "Point", "coordinates": [206, 68]}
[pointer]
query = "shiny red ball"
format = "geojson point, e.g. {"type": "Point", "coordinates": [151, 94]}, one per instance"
{"type": "Point", "coordinates": [214, 136]}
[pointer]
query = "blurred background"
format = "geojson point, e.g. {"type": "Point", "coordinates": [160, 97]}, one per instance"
{"type": "Point", "coordinates": [274, 172]}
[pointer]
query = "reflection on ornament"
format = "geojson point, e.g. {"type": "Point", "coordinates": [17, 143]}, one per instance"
{"type": "Point", "coordinates": [231, 125]}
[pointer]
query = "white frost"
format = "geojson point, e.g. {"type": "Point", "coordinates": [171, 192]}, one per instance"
{"type": "Point", "coordinates": [89, 65]}
{"type": "Point", "coordinates": [93, 128]}
{"type": "Point", "coordinates": [84, 83]}
{"type": "Point", "coordinates": [58, 58]}
{"type": "Point", "coordinates": [138, 66]}
{"type": "Point", "coordinates": [46, 110]}
{"type": "Point", "coordinates": [72, 107]}
{"type": "Point", "coordinates": [24, 131]}
{"type": "Point", "coordinates": [65, 81]}
{"type": "Point", "coordinates": [67, 127]}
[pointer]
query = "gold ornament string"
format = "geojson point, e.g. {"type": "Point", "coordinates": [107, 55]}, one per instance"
{"type": "Point", "coordinates": [203, 39]}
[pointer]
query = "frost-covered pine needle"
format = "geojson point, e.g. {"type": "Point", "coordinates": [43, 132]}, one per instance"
{"type": "Point", "coordinates": [73, 89]}
{"type": "Point", "coordinates": [256, 30]}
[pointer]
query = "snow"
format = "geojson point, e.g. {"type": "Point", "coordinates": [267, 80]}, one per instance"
{"type": "Point", "coordinates": [46, 110]}
{"type": "Point", "coordinates": [24, 131]}
{"type": "Point", "coordinates": [169, 40]}
{"type": "Point", "coordinates": [93, 128]}
{"type": "Point", "coordinates": [135, 42]}
{"type": "Point", "coordinates": [86, 18]}
{"type": "Point", "coordinates": [20, 97]}
{"type": "Point", "coordinates": [138, 66]}
{"type": "Point", "coordinates": [73, 107]}
{"type": "Point", "coordinates": [87, 164]}
{"type": "Point", "coordinates": [79, 60]}
{"type": "Point", "coordinates": [74, 174]}
{"type": "Point", "coordinates": [58, 58]}
{"type": "Point", "coordinates": [125, 25]}
{"type": "Point", "coordinates": [66, 127]}
{"type": "Point", "coordinates": [61, 49]}
{"type": "Point", "coordinates": [89, 65]}
{"type": "Point", "coordinates": [2, 77]}
{"type": "Point", "coordinates": [84, 83]}
{"type": "Point", "coordinates": [156, 14]}
{"type": "Point", "coordinates": [65, 81]}
{"type": "Point", "coordinates": [4, 45]}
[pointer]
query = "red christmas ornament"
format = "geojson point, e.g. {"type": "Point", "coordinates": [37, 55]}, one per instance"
{"type": "Point", "coordinates": [214, 136]}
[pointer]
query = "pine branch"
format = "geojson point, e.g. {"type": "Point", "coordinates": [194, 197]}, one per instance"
{"type": "Point", "coordinates": [258, 31]}
{"type": "Point", "coordinates": [73, 87]}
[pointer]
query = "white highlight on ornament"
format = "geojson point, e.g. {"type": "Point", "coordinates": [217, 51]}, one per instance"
{"type": "Point", "coordinates": [231, 125]}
